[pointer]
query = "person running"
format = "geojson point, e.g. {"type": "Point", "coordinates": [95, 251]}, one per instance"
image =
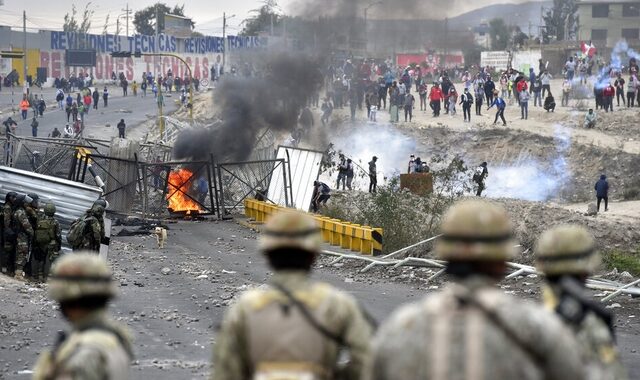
{"type": "Point", "coordinates": [500, 106]}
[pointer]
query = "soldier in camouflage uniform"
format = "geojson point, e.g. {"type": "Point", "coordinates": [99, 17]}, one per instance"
{"type": "Point", "coordinates": [294, 328]}
{"type": "Point", "coordinates": [46, 243]}
{"type": "Point", "coordinates": [8, 258]}
{"type": "Point", "coordinates": [97, 347]}
{"type": "Point", "coordinates": [94, 230]}
{"type": "Point", "coordinates": [567, 256]}
{"type": "Point", "coordinates": [24, 235]}
{"type": "Point", "coordinates": [31, 207]}
{"type": "Point", "coordinates": [472, 329]}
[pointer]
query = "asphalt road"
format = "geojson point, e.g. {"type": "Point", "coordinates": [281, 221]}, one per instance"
{"type": "Point", "coordinates": [134, 110]}
{"type": "Point", "coordinates": [173, 300]}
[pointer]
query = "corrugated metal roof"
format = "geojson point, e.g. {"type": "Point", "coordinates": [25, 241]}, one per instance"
{"type": "Point", "coordinates": [72, 199]}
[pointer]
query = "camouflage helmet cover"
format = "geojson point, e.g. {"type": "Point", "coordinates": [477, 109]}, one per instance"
{"type": "Point", "coordinates": [293, 230]}
{"type": "Point", "coordinates": [97, 210]}
{"type": "Point", "coordinates": [50, 209]}
{"type": "Point", "coordinates": [78, 275]}
{"type": "Point", "coordinates": [474, 230]}
{"type": "Point", "coordinates": [566, 249]}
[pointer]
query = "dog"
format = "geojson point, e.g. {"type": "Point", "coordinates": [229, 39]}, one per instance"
{"type": "Point", "coordinates": [161, 236]}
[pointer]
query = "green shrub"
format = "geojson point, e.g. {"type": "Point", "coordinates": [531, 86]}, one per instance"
{"type": "Point", "coordinates": [623, 261]}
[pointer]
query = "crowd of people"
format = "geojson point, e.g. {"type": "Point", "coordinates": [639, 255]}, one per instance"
{"type": "Point", "coordinates": [31, 235]}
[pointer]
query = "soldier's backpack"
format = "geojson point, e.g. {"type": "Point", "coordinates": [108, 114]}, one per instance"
{"type": "Point", "coordinates": [45, 231]}
{"type": "Point", "coordinates": [75, 235]}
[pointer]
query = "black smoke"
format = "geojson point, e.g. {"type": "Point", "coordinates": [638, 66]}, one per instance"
{"type": "Point", "coordinates": [247, 105]}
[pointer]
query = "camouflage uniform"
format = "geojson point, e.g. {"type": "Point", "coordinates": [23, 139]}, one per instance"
{"type": "Point", "coordinates": [47, 242]}
{"type": "Point", "coordinates": [471, 329]}
{"type": "Point", "coordinates": [569, 250]}
{"type": "Point", "coordinates": [94, 230]}
{"type": "Point", "coordinates": [25, 235]}
{"type": "Point", "coordinates": [97, 348]}
{"type": "Point", "coordinates": [265, 334]}
{"type": "Point", "coordinates": [8, 258]}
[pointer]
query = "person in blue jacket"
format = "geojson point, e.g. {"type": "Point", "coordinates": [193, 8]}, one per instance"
{"type": "Point", "coordinates": [602, 192]}
{"type": "Point", "coordinates": [500, 105]}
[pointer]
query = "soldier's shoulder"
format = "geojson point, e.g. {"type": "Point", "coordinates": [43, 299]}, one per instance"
{"type": "Point", "coordinates": [407, 316]}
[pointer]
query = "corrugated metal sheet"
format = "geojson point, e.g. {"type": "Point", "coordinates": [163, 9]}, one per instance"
{"type": "Point", "coordinates": [72, 199]}
{"type": "Point", "coordinates": [305, 168]}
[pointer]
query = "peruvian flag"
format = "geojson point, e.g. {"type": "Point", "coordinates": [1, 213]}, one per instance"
{"type": "Point", "coordinates": [588, 49]}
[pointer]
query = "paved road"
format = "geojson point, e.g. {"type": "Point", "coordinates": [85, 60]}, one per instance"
{"type": "Point", "coordinates": [174, 316]}
{"type": "Point", "coordinates": [134, 110]}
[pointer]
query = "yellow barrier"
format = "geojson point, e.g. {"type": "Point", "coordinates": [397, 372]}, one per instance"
{"type": "Point", "coordinates": [354, 237]}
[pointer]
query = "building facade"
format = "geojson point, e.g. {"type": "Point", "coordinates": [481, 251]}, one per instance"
{"type": "Point", "coordinates": [607, 22]}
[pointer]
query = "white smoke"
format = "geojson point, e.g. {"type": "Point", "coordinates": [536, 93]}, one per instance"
{"type": "Point", "coordinates": [362, 141]}
{"type": "Point", "coordinates": [531, 179]}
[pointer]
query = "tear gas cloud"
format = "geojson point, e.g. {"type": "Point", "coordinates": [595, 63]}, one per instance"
{"type": "Point", "coordinates": [528, 178]}
{"type": "Point", "coordinates": [247, 105]}
{"type": "Point", "coordinates": [363, 141]}
{"type": "Point", "coordinates": [620, 56]}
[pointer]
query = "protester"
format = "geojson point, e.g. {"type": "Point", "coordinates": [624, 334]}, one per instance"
{"type": "Point", "coordinates": [105, 96]}
{"type": "Point", "coordinates": [121, 128]}
{"type": "Point", "coordinates": [466, 100]}
{"type": "Point", "coordinates": [24, 107]}
{"type": "Point", "coordinates": [373, 175]}
{"type": "Point", "coordinates": [549, 103]}
{"type": "Point", "coordinates": [422, 92]}
{"type": "Point", "coordinates": [545, 79]}
{"type": "Point", "coordinates": [619, 85]}
{"type": "Point", "coordinates": [524, 104]}
{"type": "Point", "coordinates": [602, 192]}
{"type": "Point", "coordinates": [412, 164]}
{"type": "Point", "coordinates": [490, 90]}
{"type": "Point", "coordinates": [56, 133]}
{"type": "Point", "coordinates": [566, 90]}
{"type": "Point", "coordinates": [590, 119]}
{"type": "Point", "coordinates": [536, 89]}
{"type": "Point", "coordinates": [327, 109]}
{"type": "Point", "coordinates": [500, 106]}
{"type": "Point", "coordinates": [96, 98]}
{"type": "Point", "coordinates": [632, 88]}
{"type": "Point", "coordinates": [570, 66]}
{"type": "Point", "coordinates": [350, 173]}
{"type": "Point", "coordinates": [435, 97]}
{"type": "Point", "coordinates": [34, 127]}
{"type": "Point", "coordinates": [409, 103]}
{"type": "Point", "coordinates": [320, 196]}
{"type": "Point", "coordinates": [452, 100]}
{"type": "Point", "coordinates": [479, 176]}
{"type": "Point", "coordinates": [607, 94]}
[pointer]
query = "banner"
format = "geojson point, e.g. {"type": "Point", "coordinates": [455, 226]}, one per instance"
{"type": "Point", "coordinates": [497, 59]}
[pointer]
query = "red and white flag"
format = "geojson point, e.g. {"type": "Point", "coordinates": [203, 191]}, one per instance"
{"type": "Point", "coordinates": [588, 48]}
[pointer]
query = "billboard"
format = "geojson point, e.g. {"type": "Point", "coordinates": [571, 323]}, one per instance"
{"type": "Point", "coordinates": [177, 26]}
{"type": "Point", "coordinates": [80, 57]}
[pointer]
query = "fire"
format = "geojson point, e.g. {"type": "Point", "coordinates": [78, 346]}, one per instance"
{"type": "Point", "coordinates": [179, 184]}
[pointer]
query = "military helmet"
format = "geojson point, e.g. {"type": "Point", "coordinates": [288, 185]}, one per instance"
{"type": "Point", "coordinates": [101, 202]}
{"type": "Point", "coordinates": [50, 209]}
{"type": "Point", "coordinates": [566, 249]}
{"type": "Point", "coordinates": [79, 275]}
{"type": "Point", "coordinates": [293, 230]}
{"type": "Point", "coordinates": [10, 197]}
{"type": "Point", "coordinates": [476, 230]}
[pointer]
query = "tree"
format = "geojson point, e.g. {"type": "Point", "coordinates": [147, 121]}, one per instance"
{"type": "Point", "coordinates": [265, 19]}
{"type": "Point", "coordinates": [105, 28]}
{"type": "Point", "coordinates": [499, 33]}
{"type": "Point", "coordinates": [145, 20]}
{"type": "Point", "coordinates": [560, 19]}
{"type": "Point", "coordinates": [70, 23]}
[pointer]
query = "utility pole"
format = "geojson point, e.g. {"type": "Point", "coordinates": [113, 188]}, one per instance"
{"type": "Point", "coordinates": [127, 12]}
{"type": "Point", "coordinates": [224, 39]}
{"type": "Point", "coordinates": [24, 48]}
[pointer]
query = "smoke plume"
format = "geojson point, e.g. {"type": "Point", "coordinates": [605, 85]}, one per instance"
{"type": "Point", "coordinates": [247, 105]}
{"type": "Point", "coordinates": [528, 178]}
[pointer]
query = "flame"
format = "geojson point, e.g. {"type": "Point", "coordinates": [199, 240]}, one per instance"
{"type": "Point", "coordinates": [179, 183]}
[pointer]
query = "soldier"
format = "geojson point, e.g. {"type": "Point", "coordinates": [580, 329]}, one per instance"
{"type": "Point", "coordinates": [294, 328]}
{"type": "Point", "coordinates": [24, 235]}
{"type": "Point", "coordinates": [97, 347]}
{"type": "Point", "coordinates": [567, 256]}
{"type": "Point", "coordinates": [31, 207]}
{"type": "Point", "coordinates": [46, 243]}
{"type": "Point", "coordinates": [91, 230]}
{"type": "Point", "coordinates": [472, 329]}
{"type": "Point", "coordinates": [9, 234]}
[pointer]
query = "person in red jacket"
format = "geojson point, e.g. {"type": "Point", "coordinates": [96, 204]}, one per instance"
{"type": "Point", "coordinates": [435, 98]}
{"type": "Point", "coordinates": [521, 86]}
{"type": "Point", "coordinates": [607, 94]}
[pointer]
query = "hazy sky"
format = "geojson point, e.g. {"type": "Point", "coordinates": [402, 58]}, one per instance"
{"type": "Point", "coordinates": [49, 14]}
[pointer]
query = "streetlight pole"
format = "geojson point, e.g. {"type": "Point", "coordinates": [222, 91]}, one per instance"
{"type": "Point", "coordinates": [366, 37]}
{"type": "Point", "coordinates": [224, 38]}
